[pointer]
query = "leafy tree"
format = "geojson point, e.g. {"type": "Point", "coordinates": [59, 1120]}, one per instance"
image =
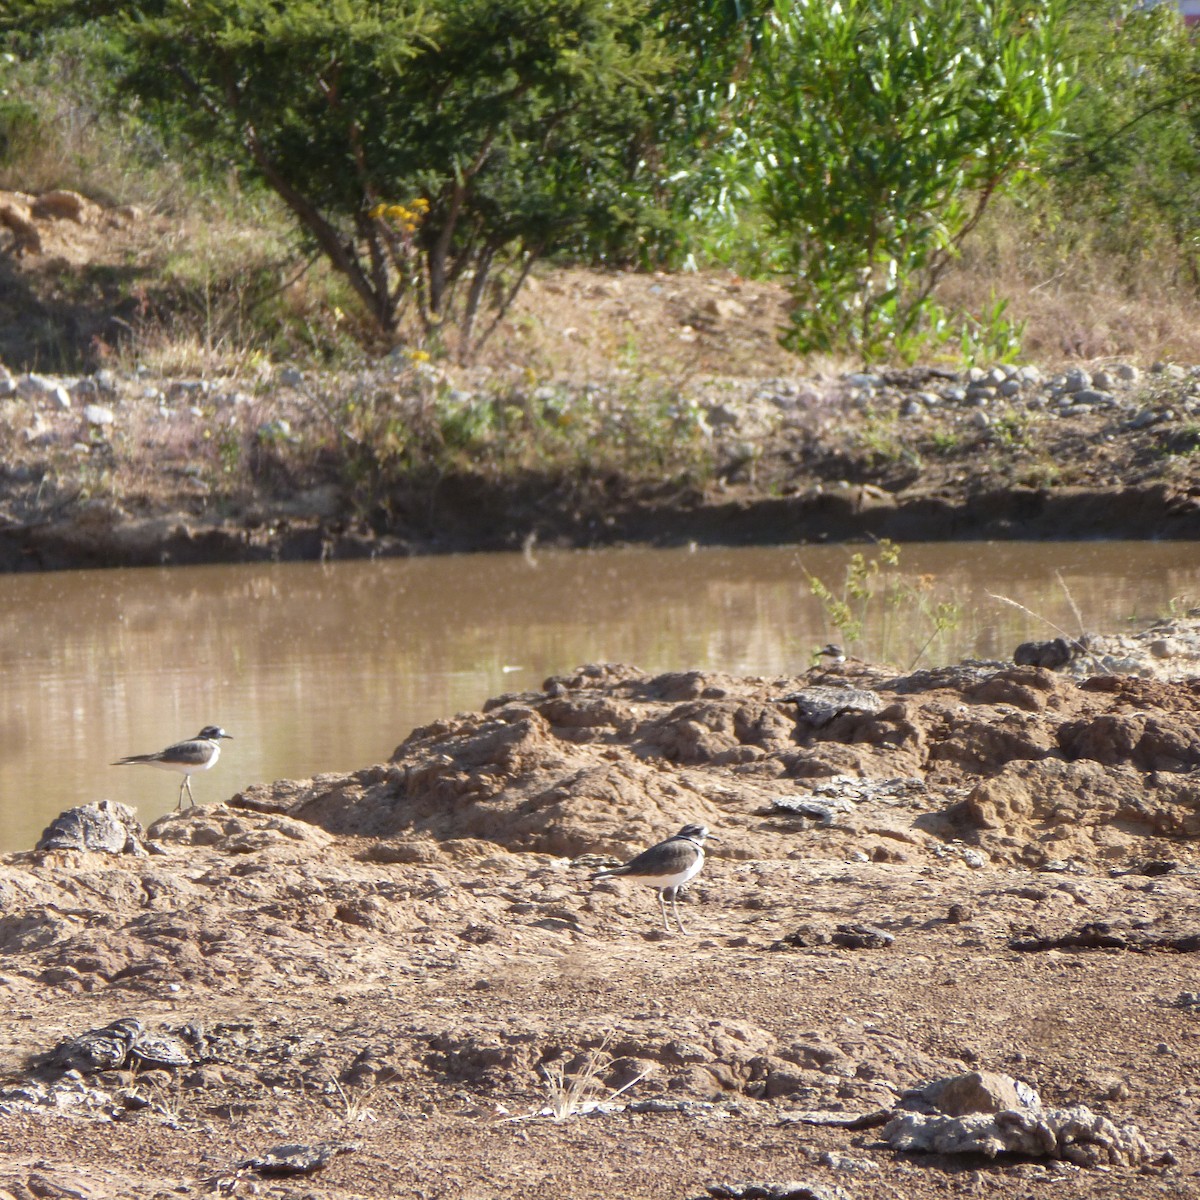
{"type": "Point", "coordinates": [420, 146]}
{"type": "Point", "coordinates": [1127, 173]}
{"type": "Point", "coordinates": [707, 178]}
{"type": "Point", "coordinates": [883, 128]}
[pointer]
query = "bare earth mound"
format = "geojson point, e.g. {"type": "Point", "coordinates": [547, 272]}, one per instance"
{"type": "Point", "coordinates": [944, 946]}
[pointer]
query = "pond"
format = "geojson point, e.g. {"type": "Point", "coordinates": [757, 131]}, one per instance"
{"type": "Point", "coordinates": [316, 668]}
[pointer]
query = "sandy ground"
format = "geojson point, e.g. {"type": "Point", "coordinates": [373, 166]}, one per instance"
{"type": "Point", "coordinates": [983, 868]}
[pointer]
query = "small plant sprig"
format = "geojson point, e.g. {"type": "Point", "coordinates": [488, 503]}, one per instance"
{"type": "Point", "coordinates": [873, 590]}
{"type": "Point", "coordinates": [567, 1094]}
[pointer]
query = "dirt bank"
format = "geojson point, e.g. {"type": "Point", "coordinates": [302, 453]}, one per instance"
{"type": "Point", "coordinates": [610, 407]}
{"type": "Point", "coordinates": [981, 868]}
{"type": "Point", "coordinates": [138, 478]}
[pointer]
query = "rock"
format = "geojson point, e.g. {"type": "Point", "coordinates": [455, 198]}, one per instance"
{"type": "Point", "coordinates": [108, 827]}
{"type": "Point", "coordinates": [1074, 1134]}
{"type": "Point", "coordinates": [722, 308]}
{"type": "Point", "coordinates": [837, 1120]}
{"type": "Point", "coordinates": [861, 937]}
{"type": "Point", "coordinates": [973, 1092]}
{"type": "Point", "coordinates": [17, 219]}
{"type": "Point", "coordinates": [798, 806]}
{"type": "Point", "coordinates": [1076, 380]}
{"type": "Point", "coordinates": [791, 1190]}
{"type": "Point", "coordinates": [1168, 370]}
{"type": "Point", "coordinates": [97, 415]}
{"type": "Point", "coordinates": [820, 704]}
{"type": "Point", "coordinates": [991, 1114]}
{"type": "Point", "coordinates": [1055, 653]}
{"type": "Point", "coordinates": [34, 387]}
{"type": "Point", "coordinates": [60, 205]}
{"type": "Point", "coordinates": [296, 1159]}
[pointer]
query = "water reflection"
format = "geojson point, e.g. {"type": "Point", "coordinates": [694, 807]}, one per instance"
{"type": "Point", "coordinates": [326, 668]}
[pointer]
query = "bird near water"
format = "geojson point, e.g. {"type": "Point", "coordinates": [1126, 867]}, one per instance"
{"type": "Point", "coordinates": [666, 867]}
{"type": "Point", "coordinates": [197, 754]}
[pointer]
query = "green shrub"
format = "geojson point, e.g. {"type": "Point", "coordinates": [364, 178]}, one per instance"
{"type": "Point", "coordinates": [883, 130]}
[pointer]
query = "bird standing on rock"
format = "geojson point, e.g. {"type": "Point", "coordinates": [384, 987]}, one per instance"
{"type": "Point", "coordinates": [666, 867]}
{"type": "Point", "coordinates": [198, 754]}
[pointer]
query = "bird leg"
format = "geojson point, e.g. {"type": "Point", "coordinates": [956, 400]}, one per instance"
{"type": "Point", "coordinates": [186, 784]}
{"type": "Point", "coordinates": [663, 907]}
{"type": "Point", "coordinates": [675, 909]}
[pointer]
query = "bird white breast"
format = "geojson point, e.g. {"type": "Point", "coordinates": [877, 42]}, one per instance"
{"type": "Point", "coordinates": [676, 878]}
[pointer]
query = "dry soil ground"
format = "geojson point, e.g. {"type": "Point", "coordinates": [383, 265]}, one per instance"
{"type": "Point", "coordinates": [986, 867]}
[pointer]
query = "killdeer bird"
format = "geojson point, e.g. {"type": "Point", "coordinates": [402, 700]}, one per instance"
{"type": "Point", "coordinates": [667, 867]}
{"type": "Point", "coordinates": [198, 754]}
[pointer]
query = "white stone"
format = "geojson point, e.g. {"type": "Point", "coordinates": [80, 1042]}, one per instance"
{"type": "Point", "coordinates": [1076, 380]}
{"type": "Point", "coordinates": [34, 387]}
{"type": "Point", "coordinates": [97, 414]}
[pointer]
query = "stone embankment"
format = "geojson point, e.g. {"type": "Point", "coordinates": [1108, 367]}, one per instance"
{"type": "Point", "coordinates": [128, 469]}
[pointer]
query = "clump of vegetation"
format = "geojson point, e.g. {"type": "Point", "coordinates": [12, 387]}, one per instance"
{"type": "Point", "coordinates": [872, 592]}
{"type": "Point", "coordinates": [412, 164]}
{"type": "Point", "coordinates": [885, 128]}
{"type": "Point", "coordinates": [387, 445]}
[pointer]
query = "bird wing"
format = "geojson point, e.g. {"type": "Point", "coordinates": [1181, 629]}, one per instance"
{"type": "Point", "coordinates": [675, 854]}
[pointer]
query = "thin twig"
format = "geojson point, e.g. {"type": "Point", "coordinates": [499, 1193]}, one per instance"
{"type": "Point", "coordinates": [1062, 583]}
{"type": "Point", "coordinates": [1030, 612]}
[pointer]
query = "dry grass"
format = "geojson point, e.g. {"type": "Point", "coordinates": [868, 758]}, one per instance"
{"type": "Point", "coordinates": [1079, 299]}
{"type": "Point", "coordinates": [570, 1095]}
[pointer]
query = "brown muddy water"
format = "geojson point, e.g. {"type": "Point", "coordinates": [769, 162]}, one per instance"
{"type": "Point", "coordinates": [318, 668]}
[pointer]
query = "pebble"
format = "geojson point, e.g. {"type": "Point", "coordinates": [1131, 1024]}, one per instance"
{"type": "Point", "coordinates": [98, 415]}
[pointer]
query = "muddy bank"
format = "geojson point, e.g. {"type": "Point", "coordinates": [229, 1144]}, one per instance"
{"type": "Point", "coordinates": [945, 943]}
{"type": "Point", "coordinates": [108, 470]}
{"type": "Point", "coordinates": [496, 520]}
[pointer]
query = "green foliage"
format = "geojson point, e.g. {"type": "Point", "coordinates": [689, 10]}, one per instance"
{"type": "Point", "coordinates": [431, 151]}
{"type": "Point", "coordinates": [20, 129]}
{"type": "Point", "coordinates": [873, 589]}
{"type": "Point", "coordinates": [711, 184]}
{"type": "Point", "coordinates": [992, 336]}
{"type": "Point", "coordinates": [514, 123]}
{"type": "Point", "coordinates": [1126, 178]}
{"type": "Point", "coordinates": [391, 445]}
{"type": "Point", "coordinates": [883, 128]}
